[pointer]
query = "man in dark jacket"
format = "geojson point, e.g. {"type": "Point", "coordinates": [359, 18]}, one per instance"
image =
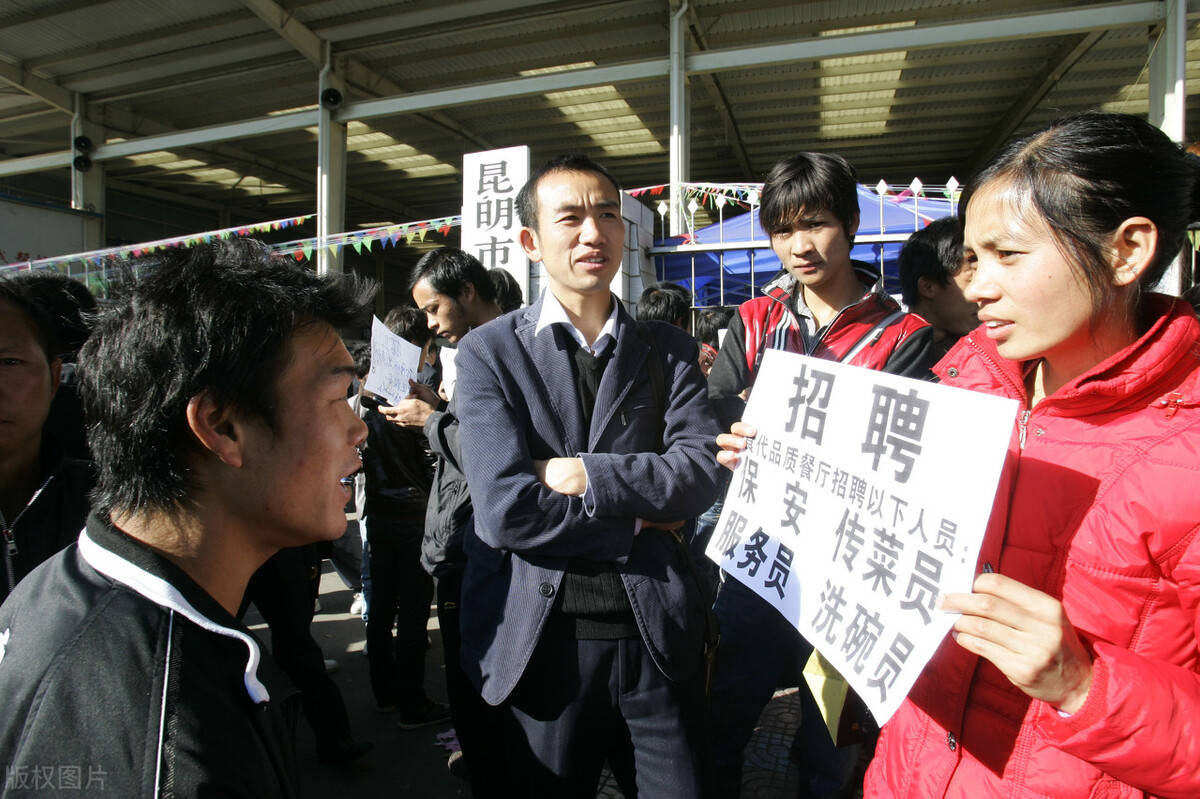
{"type": "Point", "coordinates": [455, 292]}
{"type": "Point", "coordinates": [933, 276]}
{"type": "Point", "coordinates": [43, 492]}
{"type": "Point", "coordinates": [585, 444]}
{"type": "Point", "coordinates": [214, 391]}
{"type": "Point", "coordinates": [825, 305]}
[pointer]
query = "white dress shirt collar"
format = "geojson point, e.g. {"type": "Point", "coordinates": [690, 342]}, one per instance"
{"type": "Point", "coordinates": [553, 313]}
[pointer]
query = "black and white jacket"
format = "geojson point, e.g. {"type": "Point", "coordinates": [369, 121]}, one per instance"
{"type": "Point", "coordinates": [120, 676]}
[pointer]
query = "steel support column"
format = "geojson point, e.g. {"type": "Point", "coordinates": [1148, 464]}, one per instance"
{"type": "Point", "coordinates": [680, 138]}
{"type": "Point", "coordinates": [87, 184]}
{"type": "Point", "coordinates": [1168, 67]}
{"type": "Point", "coordinates": [331, 167]}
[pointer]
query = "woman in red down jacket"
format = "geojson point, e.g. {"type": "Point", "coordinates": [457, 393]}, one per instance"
{"type": "Point", "coordinates": [1073, 669]}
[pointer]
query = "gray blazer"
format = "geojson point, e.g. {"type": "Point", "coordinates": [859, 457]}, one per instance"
{"type": "Point", "coordinates": [517, 403]}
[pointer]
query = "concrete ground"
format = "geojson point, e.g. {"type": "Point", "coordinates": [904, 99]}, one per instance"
{"type": "Point", "coordinates": [412, 763]}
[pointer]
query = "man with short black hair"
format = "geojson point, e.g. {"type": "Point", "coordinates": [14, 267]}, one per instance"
{"type": "Point", "coordinates": [214, 389]}
{"type": "Point", "coordinates": [43, 487]}
{"type": "Point", "coordinates": [666, 302]}
{"type": "Point", "coordinates": [825, 305]}
{"type": "Point", "coordinates": [443, 285]}
{"type": "Point", "coordinates": [508, 293]}
{"type": "Point", "coordinates": [583, 438]}
{"type": "Point", "coordinates": [454, 291]}
{"type": "Point", "coordinates": [933, 275]}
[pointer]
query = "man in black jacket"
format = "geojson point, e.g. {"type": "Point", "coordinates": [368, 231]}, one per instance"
{"type": "Point", "coordinates": [43, 491]}
{"type": "Point", "coordinates": [456, 294]}
{"type": "Point", "coordinates": [214, 390]}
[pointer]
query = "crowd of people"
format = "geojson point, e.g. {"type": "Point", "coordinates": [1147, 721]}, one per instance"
{"type": "Point", "coordinates": [193, 445]}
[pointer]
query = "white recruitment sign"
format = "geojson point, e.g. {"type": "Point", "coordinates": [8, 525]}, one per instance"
{"type": "Point", "coordinates": [862, 498]}
{"type": "Point", "coordinates": [394, 362]}
{"type": "Point", "coordinates": [490, 226]}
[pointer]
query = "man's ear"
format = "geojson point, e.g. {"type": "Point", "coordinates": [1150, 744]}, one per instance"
{"type": "Point", "coordinates": [219, 430]}
{"type": "Point", "coordinates": [468, 294]}
{"type": "Point", "coordinates": [529, 244]}
{"type": "Point", "coordinates": [926, 288]}
{"type": "Point", "coordinates": [852, 228]}
{"type": "Point", "coordinates": [1135, 243]}
{"type": "Point", "coordinates": [55, 375]}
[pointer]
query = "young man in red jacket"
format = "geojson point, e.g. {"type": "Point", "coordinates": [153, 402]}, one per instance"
{"type": "Point", "coordinates": [825, 305]}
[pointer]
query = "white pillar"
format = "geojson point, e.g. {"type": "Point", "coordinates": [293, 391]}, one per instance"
{"type": "Point", "coordinates": [1168, 101]}
{"type": "Point", "coordinates": [1168, 65]}
{"type": "Point", "coordinates": [331, 166]}
{"type": "Point", "coordinates": [680, 138]}
{"type": "Point", "coordinates": [87, 185]}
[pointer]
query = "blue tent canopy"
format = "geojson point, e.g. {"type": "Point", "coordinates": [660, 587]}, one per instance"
{"type": "Point", "coordinates": [732, 276]}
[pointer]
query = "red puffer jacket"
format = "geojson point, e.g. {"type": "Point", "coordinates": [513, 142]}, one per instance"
{"type": "Point", "coordinates": [1099, 505]}
{"type": "Point", "coordinates": [873, 332]}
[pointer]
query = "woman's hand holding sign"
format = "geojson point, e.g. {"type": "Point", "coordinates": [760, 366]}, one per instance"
{"type": "Point", "coordinates": [1027, 635]}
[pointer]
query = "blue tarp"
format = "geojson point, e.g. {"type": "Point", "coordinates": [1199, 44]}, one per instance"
{"type": "Point", "coordinates": [747, 267]}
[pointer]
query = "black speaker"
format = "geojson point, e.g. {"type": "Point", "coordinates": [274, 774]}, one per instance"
{"type": "Point", "coordinates": [331, 99]}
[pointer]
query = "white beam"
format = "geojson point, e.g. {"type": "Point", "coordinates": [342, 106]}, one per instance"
{"type": "Point", "coordinates": [44, 90]}
{"type": "Point", "coordinates": [500, 90]}
{"type": "Point", "coordinates": [260, 126]}
{"type": "Point", "coordinates": [1057, 66]}
{"type": "Point", "coordinates": [199, 60]}
{"type": "Point", "coordinates": [312, 47]}
{"type": "Point", "coordinates": [288, 27]}
{"type": "Point", "coordinates": [1078, 19]}
{"type": "Point", "coordinates": [440, 14]}
{"type": "Point", "coordinates": [36, 163]}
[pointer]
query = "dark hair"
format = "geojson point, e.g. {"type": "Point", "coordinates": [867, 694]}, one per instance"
{"type": "Point", "coordinates": [69, 304]}
{"type": "Point", "coordinates": [360, 351]}
{"type": "Point", "coordinates": [20, 294]}
{"type": "Point", "coordinates": [508, 293]}
{"type": "Point", "coordinates": [1086, 174]}
{"type": "Point", "coordinates": [527, 209]}
{"type": "Point", "coordinates": [665, 302]}
{"type": "Point", "coordinates": [219, 319]}
{"type": "Point", "coordinates": [409, 324]}
{"type": "Point", "coordinates": [934, 252]}
{"type": "Point", "coordinates": [809, 182]}
{"type": "Point", "coordinates": [449, 270]}
{"type": "Point", "coordinates": [711, 322]}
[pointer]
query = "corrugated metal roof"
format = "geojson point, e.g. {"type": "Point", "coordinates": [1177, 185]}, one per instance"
{"type": "Point", "coordinates": [149, 66]}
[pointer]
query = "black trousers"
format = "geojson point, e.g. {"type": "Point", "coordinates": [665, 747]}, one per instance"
{"type": "Point", "coordinates": [401, 592]}
{"type": "Point", "coordinates": [581, 702]}
{"type": "Point", "coordinates": [483, 730]}
{"type": "Point", "coordinates": [282, 590]}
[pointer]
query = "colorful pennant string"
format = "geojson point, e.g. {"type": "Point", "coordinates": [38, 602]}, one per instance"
{"type": "Point", "coordinates": [99, 257]}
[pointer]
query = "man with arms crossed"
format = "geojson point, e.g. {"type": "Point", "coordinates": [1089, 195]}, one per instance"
{"type": "Point", "coordinates": [585, 440]}
{"type": "Point", "coordinates": [215, 396]}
